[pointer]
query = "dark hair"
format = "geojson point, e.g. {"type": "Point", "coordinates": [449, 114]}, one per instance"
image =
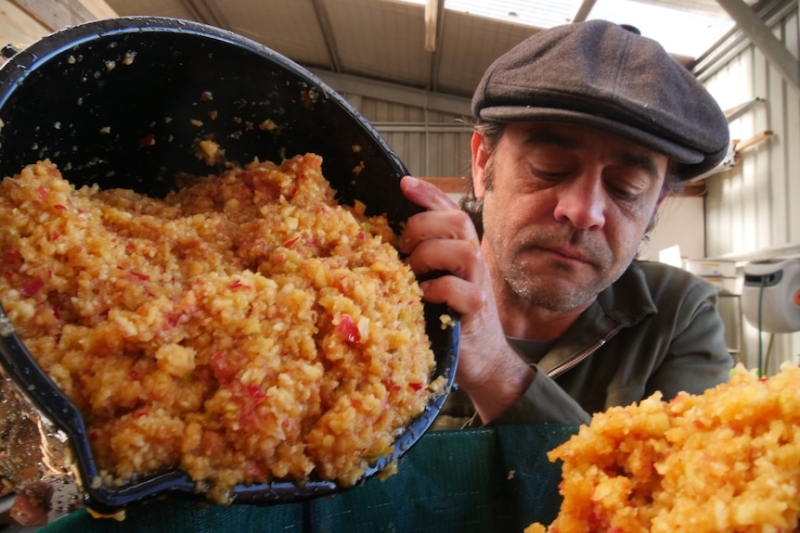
{"type": "Point", "coordinates": [492, 132]}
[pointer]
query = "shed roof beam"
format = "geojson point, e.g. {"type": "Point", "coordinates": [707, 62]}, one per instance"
{"type": "Point", "coordinates": [583, 10]}
{"type": "Point", "coordinates": [391, 92]}
{"type": "Point", "coordinates": [763, 38]}
{"type": "Point", "coordinates": [327, 35]}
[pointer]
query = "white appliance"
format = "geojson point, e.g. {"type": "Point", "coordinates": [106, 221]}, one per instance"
{"type": "Point", "coordinates": [773, 287]}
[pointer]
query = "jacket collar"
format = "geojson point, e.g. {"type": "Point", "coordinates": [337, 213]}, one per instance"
{"type": "Point", "coordinates": [625, 303]}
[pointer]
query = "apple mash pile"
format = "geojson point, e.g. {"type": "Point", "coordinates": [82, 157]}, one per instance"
{"type": "Point", "coordinates": [244, 329]}
{"type": "Point", "coordinates": [726, 460]}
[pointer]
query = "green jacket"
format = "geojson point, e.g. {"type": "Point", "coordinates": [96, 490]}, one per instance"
{"type": "Point", "coordinates": [655, 329]}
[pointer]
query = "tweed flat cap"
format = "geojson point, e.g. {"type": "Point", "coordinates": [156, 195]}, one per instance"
{"type": "Point", "coordinates": [602, 75]}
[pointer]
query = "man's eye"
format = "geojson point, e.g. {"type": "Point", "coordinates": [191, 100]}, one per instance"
{"type": "Point", "coordinates": [628, 194]}
{"type": "Point", "coordinates": [549, 175]}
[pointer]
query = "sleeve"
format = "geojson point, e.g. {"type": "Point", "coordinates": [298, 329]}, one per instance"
{"type": "Point", "coordinates": [697, 357]}
{"type": "Point", "coordinates": [544, 402]}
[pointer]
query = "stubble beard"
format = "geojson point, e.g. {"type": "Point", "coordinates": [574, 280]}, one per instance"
{"type": "Point", "coordinates": [536, 291]}
{"type": "Point", "coordinates": [562, 288]}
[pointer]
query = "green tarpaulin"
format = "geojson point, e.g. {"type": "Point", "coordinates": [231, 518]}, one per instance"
{"type": "Point", "coordinates": [490, 479]}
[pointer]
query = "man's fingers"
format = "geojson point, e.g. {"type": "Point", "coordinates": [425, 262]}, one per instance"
{"type": "Point", "coordinates": [431, 225]}
{"type": "Point", "coordinates": [442, 241]}
{"type": "Point", "coordinates": [458, 257]}
{"type": "Point", "coordinates": [426, 194]}
{"type": "Point", "coordinates": [460, 295]}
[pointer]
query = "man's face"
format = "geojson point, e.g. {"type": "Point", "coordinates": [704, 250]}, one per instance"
{"type": "Point", "coordinates": [565, 209]}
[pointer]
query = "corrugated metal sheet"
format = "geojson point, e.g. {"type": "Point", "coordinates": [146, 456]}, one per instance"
{"type": "Point", "coordinates": [382, 39]}
{"type": "Point", "coordinates": [431, 144]}
{"type": "Point", "coordinates": [538, 13]}
{"type": "Point", "coordinates": [385, 39]}
{"type": "Point", "coordinates": [469, 45]}
{"type": "Point", "coordinates": [290, 32]}
{"type": "Point", "coordinates": [752, 210]}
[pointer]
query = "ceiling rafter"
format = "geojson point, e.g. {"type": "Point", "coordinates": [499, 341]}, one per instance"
{"type": "Point", "coordinates": [583, 10]}
{"type": "Point", "coordinates": [431, 15]}
{"type": "Point", "coordinates": [394, 92]}
{"type": "Point", "coordinates": [762, 37]}
{"type": "Point", "coordinates": [327, 35]}
{"type": "Point", "coordinates": [436, 53]}
{"type": "Point", "coordinates": [735, 41]}
{"type": "Point", "coordinates": [482, 32]}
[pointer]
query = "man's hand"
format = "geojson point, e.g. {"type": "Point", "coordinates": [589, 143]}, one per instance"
{"type": "Point", "coordinates": [443, 238]}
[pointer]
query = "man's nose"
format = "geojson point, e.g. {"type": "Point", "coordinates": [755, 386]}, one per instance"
{"type": "Point", "coordinates": [582, 203]}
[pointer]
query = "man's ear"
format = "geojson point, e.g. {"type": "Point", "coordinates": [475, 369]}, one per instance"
{"type": "Point", "coordinates": [480, 162]}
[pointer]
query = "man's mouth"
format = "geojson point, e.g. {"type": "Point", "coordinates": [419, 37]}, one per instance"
{"type": "Point", "coordinates": [570, 254]}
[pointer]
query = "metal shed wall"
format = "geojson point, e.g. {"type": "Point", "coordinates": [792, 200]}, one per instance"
{"type": "Point", "coordinates": [430, 143]}
{"type": "Point", "coordinates": [751, 211]}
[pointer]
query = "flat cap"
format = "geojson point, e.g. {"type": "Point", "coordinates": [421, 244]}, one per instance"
{"type": "Point", "coordinates": [605, 76]}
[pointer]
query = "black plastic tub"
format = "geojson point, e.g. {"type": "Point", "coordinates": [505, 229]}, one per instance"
{"type": "Point", "coordinates": [122, 103]}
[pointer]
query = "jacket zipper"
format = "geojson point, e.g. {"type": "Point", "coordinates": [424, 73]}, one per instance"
{"type": "Point", "coordinates": [581, 356]}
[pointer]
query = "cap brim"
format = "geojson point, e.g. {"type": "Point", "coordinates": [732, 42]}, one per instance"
{"type": "Point", "coordinates": [680, 153]}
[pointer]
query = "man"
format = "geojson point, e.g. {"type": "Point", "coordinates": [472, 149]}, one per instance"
{"type": "Point", "coordinates": [582, 130]}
